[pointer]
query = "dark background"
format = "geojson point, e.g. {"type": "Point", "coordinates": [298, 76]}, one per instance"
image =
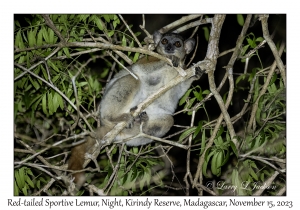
{"type": "Point", "coordinates": [229, 34]}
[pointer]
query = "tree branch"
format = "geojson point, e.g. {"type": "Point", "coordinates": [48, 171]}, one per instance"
{"type": "Point", "coordinates": [263, 90]}
{"type": "Point", "coordinates": [266, 34]}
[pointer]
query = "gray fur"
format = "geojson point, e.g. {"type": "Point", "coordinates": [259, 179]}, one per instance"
{"type": "Point", "coordinates": [124, 93]}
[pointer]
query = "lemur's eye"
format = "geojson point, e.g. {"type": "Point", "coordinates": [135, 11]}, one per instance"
{"type": "Point", "coordinates": [164, 41]}
{"type": "Point", "coordinates": [177, 44]}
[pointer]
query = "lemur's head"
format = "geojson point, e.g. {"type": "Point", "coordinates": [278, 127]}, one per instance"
{"type": "Point", "coordinates": [173, 45]}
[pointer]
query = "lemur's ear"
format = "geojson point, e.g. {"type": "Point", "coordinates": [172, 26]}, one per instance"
{"type": "Point", "coordinates": [189, 45]}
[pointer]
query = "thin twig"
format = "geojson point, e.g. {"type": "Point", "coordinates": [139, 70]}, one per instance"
{"type": "Point", "coordinates": [263, 90]}
{"type": "Point", "coordinates": [119, 53]}
{"type": "Point", "coordinates": [188, 161]}
{"type": "Point", "coordinates": [45, 188]}
{"type": "Point", "coordinates": [51, 146]}
{"type": "Point", "coordinates": [76, 54]}
{"type": "Point", "coordinates": [277, 55]}
{"type": "Point", "coordinates": [124, 67]}
{"type": "Point", "coordinates": [264, 161]}
{"type": "Point", "coordinates": [177, 23]}
{"type": "Point", "coordinates": [193, 24]}
{"type": "Point", "coordinates": [115, 171]}
{"type": "Point", "coordinates": [129, 29]}
{"type": "Point", "coordinates": [213, 56]}
{"type": "Point", "coordinates": [38, 63]}
{"type": "Point", "coordinates": [49, 23]}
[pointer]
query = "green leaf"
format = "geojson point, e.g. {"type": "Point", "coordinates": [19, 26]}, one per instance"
{"type": "Point", "coordinates": [205, 92]}
{"type": "Point", "coordinates": [31, 38]}
{"type": "Point", "coordinates": [189, 105]}
{"type": "Point", "coordinates": [116, 22]}
{"type": "Point", "coordinates": [21, 59]}
{"type": "Point", "coordinates": [106, 17]}
{"type": "Point", "coordinates": [218, 141]}
{"type": "Point", "coordinates": [45, 35]}
{"type": "Point", "coordinates": [18, 39]}
{"type": "Point", "coordinates": [22, 176]}
{"type": "Point", "coordinates": [273, 79]}
{"type": "Point", "coordinates": [148, 176]}
{"type": "Point", "coordinates": [142, 183]}
{"type": "Point", "coordinates": [262, 177]}
{"type": "Point", "coordinates": [24, 190]}
{"type": "Point", "coordinates": [16, 56]}
{"type": "Point", "coordinates": [51, 36]}
{"type": "Point", "coordinates": [186, 95]}
{"type": "Point", "coordinates": [233, 147]}
{"type": "Point", "coordinates": [26, 99]}
{"type": "Point", "coordinates": [236, 181]}
{"type": "Point", "coordinates": [66, 51]}
{"type": "Point", "coordinates": [186, 133]}
{"type": "Point", "coordinates": [18, 180]}
{"type": "Point", "coordinates": [220, 131]}
{"type": "Point", "coordinates": [137, 33]}
{"type": "Point", "coordinates": [34, 83]}
{"type": "Point", "coordinates": [244, 50]}
{"type": "Point", "coordinates": [50, 103]}
{"type": "Point", "coordinates": [206, 33]}
{"type": "Point", "coordinates": [198, 95]}
{"type": "Point", "coordinates": [54, 17]}
{"type": "Point", "coordinates": [81, 84]}
{"type": "Point", "coordinates": [240, 20]}
{"type": "Point", "coordinates": [83, 17]}
{"type": "Point", "coordinates": [259, 39]}
{"type": "Point", "coordinates": [253, 174]}
{"type": "Point", "coordinates": [203, 142]}
{"type": "Point", "coordinates": [258, 112]}
{"type": "Point", "coordinates": [44, 72]}
{"type": "Point", "coordinates": [98, 23]}
{"type": "Point", "coordinates": [124, 41]}
{"type": "Point", "coordinates": [44, 106]}
{"type": "Point", "coordinates": [241, 77]}
{"type": "Point", "coordinates": [24, 37]}
{"type": "Point", "coordinates": [250, 42]}
{"type": "Point", "coordinates": [28, 171]}
{"type": "Point", "coordinates": [204, 168]}
{"type": "Point", "coordinates": [50, 63]}
{"type": "Point", "coordinates": [20, 108]}
{"type": "Point", "coordinates": [253, 165]}
{"type": "Point", "coordinates": [111, 33]}
{"type": "Point", "coordinates": [199, 127]}
{"type": "Point", "coordinates": [35, 102]}
{"type": "Point", "coordinates": [55, 102]}
{"type": "Point", "coordinates": [28, 180]}
{"type": "Point", "coordinates": [63, 18]}
{"type": "Point", "coordinates": [115, 17]}
{"type": "Point", "coordinates": [226, 158]}
{"type": "Point", "coordinates": [54, 79]}
{"type": "Point", "coordinates": [207, 152]}
{"type": "Point", "coordinates": [43, 180]}
{"type": "Point", "coordinates": [17, 23]}
{"type": "Point", "coordinates": [82, 31]}
{"type": "Point", "coordinates": [135, 150]}
{"type": "Point", "coordinates": [136, 57]}
{"type": "Point", "coordinates": [16, 189]}
{"type": "Point", "coordinates": [104, 72]}
{"type": "Point", "coordinates": [38, 184]}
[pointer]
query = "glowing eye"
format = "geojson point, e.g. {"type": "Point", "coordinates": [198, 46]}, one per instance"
{"type": "Point", "coordinates": [164, 41]}
{"type": "Point", "coordinates": [177, 44]}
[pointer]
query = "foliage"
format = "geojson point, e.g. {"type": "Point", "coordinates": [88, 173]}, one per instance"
{"type": "Point", "coordinates": [57, 78]}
